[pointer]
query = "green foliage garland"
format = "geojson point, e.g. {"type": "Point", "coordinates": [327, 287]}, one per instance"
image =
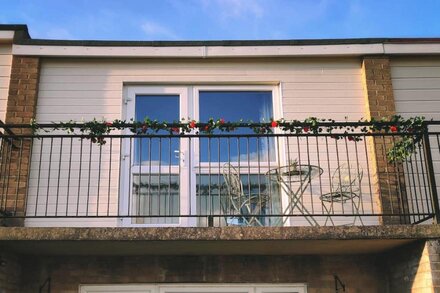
{"type": "Point", "coordinates": [404, 145]}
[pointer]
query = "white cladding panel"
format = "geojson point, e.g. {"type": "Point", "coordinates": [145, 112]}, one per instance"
{"type": "Point", "coordinates": [85, 89]}
{"type": "Point", "coordinates": [5, 74]}
{"type": "Point", "coordinates": [416, 83]}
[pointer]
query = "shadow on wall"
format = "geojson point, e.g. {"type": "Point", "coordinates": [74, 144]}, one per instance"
{"type": "Point", "coordinates": [408, 268]}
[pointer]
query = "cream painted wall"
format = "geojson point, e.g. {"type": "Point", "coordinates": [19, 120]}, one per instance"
{"type": "Point", "coordinates": [85, 89]}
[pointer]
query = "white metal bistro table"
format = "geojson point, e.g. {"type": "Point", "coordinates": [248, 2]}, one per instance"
{"type": "Point", "coordinates": [294, 181]}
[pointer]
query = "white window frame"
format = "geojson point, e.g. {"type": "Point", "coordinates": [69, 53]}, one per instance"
{"type": "Point", "coordinates": [197, 288]}
{"type": "Point", "coordinates": [189, 107]}
{"type": "Point", "coordinates": [127, 164]}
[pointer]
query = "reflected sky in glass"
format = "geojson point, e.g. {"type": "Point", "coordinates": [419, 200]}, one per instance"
{"type": "Point", "coordinates": [154, 150]}
{"type": "Point", "coordinates": [233, 106]}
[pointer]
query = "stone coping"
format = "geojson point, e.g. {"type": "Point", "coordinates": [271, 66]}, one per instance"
{"type": "Point", "coordinates": [220, 234]}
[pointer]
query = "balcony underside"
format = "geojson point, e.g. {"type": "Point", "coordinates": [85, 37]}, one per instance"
{"type": "Point", "coordinates": [212, 241]}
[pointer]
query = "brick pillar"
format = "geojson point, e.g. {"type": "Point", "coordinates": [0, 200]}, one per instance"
{"type": "Point", "coordinates": [388, 177]}
{"type": "Point", "coordinates": [15, 153]}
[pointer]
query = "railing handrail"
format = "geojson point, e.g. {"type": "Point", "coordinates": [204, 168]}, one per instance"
{"type": "Point", "coordinates": [236, 125]}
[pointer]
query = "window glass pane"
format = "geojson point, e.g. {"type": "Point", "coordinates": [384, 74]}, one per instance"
{"type": "Point", "coordinates": [232, 106]}
{"type": "Point", "coordinates": [155, 195]}
{"type": "Point", "coordinates": [212, 199]}
{"type": "Point", "coordinates": [157, 151]}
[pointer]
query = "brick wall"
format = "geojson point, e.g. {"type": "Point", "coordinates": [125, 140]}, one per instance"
{"type": "Point", "coordinates": [360, 273]}
{"type": "Point", "coordinates": [15, 154]}
{"type": "Point", "coordinates": [388, 178]}
{"type": "Point", "coordinates": [10, 273]}
{"type": "Point", "coordinates": [414, 267]}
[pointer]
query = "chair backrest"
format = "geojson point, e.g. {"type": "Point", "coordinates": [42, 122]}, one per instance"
{"type": "Point", "coordinates": [232, 180]}
{"type": "Point", "coordinates": [234, 186]}
{"type": "Point", "coordinates": [347, 178]}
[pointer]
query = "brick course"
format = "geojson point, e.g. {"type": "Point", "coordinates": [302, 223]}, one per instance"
{"type": "Point", "coordinates": [388, 178]}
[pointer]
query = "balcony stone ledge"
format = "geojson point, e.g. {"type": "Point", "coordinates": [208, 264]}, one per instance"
{"type": "Point", "coordinates": [220, 233]}
{"type": "Point", "coordinates": [213, 241]}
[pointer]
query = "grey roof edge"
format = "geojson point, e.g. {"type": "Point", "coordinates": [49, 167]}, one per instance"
{"type": "Point", "coordinates": [22, 37]}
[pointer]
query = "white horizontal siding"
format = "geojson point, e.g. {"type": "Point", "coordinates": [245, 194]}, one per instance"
{"type": "Point", "coordinates": [416, 83]}
{"type": "Point", "coordinates": [93, 88]}
{"type": "Point", "coordinates": [5, 74]}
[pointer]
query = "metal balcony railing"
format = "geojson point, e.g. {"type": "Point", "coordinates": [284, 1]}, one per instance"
{"type": "Point", "coordinates": [221, 179]}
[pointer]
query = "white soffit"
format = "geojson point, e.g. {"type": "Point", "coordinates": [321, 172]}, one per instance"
{"type": "Point", "coordinates": [6, 36]}
{"type": "Point", "coordinates": [199, 51]}
{"type": "Point", "coordinates": [412, 48]}
{"type": "Point", "coordinates": [225, 51]}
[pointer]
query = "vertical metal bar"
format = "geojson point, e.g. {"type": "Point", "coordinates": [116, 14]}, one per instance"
{"type": "Point", "coordinates": [320, 177]}
{"type": "Point", "coordinates": [18, 176]}
{"type": "Point", "coordinates": [301, 183]}
{"type": "Point", "coordinates": [4, 143]}
{"type": "Point", "coordinates": [331, 210]}
{"type": "Point", "coordinates": [99, 179]}
{"type": "Point", "coordinates": [88, 177]}
{"type": "Point", "coordinates": [399, 187]}
{"type": "Point", "coordinates": [138, 195]}
{"type": "Point", "coordinates": [259, 172]}
{"type": "Point", "coordinates": [130, 175]}
{"type": "Point", "coordinates": [190, 168]}
{"type": "Point", "coordinates": [167, 212]}
{"type": "Point", "coordinates": [416, 211]}
{"type": "Point", "coordinates": [9, 159]}
{"type": "Point", "coordinates": [39, 177]}
{"type": "Point", "coordinates": [68, 176]}
{"type": "Point", "coordinates": [367, 159]}
{"type": "Point", "coordinates": [359, 171]}
{"type": "Point", "coordinates": [59, 175]}
{"type": "Point", "coordinates": [289, 161]}
{"type": "Point", "coordinates": [26, 197]}
{"type": "Point", "coordinates": [209, 177]}
{"type": "Point", "coordinates": [409, 190]}
{"type": "Point", "coordinates": [310, 184]}
{"type": "Point", "coordinates": [431, 175]}
{"type": "Point", "coordinates": [339, 172]}
{"type": "Point", "coordinates": [109, 175]}
{"type": "Point", "coordinates": [426, 190]}
{"type": "Point", "coordinates": [218, 177]}
{"type": "Point", "coordinates": [349, 174]}
{"type": "Point", "coordinates": [384, 151]}
{"type": "Point", "coordinates": [249, 169]}
{"type": "Point", "coordinates": [160, 176]}
{"type": "Point", "coordinates": [199, 181]}
{"type": "Point", "coordinates": [419, 184]}
{"type": "Point", "coordinates": [48, 175]}
{"type": "Point", "coordinates": [79, 175]}
{"type": "Point", "coordinates": [121, 166]}
{"type": "Point", "coordinates": [150, 198]}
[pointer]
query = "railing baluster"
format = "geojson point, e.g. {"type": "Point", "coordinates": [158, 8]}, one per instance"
{"type": "Point", "coordinates": [431, 175]}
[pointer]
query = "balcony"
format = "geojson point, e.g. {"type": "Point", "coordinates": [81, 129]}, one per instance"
{"type": "Point", "coordinates": [50, 178]}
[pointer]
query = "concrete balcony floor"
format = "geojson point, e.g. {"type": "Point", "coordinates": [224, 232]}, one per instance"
{"type": "Point", "coordinates": [212, 241]}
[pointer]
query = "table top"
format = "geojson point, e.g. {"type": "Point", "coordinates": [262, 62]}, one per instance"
{"type": "Point", "coordinates": [298, 173]}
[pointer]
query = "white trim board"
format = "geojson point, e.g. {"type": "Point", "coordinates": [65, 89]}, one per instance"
{"type": "Point", "coordinates": [195, 288]}
{"type": "Point", "coordinates": [226, 51]}
{"type": "Point", "coordinates": [199, 51]}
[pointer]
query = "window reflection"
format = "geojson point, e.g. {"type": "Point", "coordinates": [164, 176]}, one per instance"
{"type": "Point", "coordinates": [232, 106]}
